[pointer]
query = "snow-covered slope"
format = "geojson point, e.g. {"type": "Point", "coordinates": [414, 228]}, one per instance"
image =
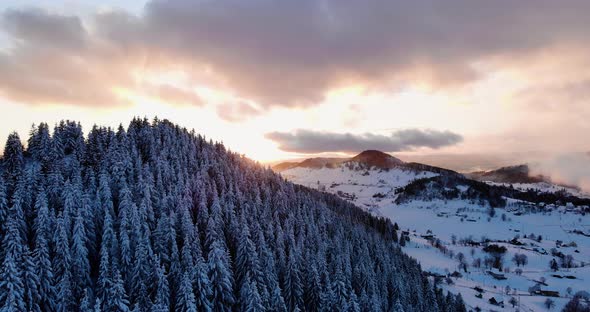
{"type": "Point", "coordinates": [444, 232]}
{"type": "Point", "coordinates": [367, 179]}
{"type": "Point", "coordinates": [367, 188]}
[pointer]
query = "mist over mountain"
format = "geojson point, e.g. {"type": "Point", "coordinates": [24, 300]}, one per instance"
{"type": "Point", "coordinates": [510, 174]}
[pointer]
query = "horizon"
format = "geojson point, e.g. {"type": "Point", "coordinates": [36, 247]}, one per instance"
{"type": "Point", "coordinates": [431, 159]}
{"type": "Point", "coordinates": [464, 87]}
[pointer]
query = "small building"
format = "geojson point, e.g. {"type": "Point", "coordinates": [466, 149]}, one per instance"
{"type": "Point", "coordinates": [547, 293]}
{"type": "Point", "coordinates": [497, 276]}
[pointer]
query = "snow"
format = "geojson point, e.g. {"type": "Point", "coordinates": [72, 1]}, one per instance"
{"type": "Point", "coordinates": [543, 187]}
{"type": "Point", "coordinates": [363, 183]}
{"type": "Point", "coordinates": [463, 219]}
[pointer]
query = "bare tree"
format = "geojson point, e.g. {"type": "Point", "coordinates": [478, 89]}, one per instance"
{"type": "Point", "coordinates": [567, 262]}
{"type": "Point", "coordinates": [549, 303]}
{"type": "Point", "coordinates": [520, 259]}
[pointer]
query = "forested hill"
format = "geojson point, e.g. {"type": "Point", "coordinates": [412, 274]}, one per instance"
{"type": "Point", "coordinates": [156, 218]}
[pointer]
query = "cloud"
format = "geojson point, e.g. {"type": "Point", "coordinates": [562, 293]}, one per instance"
{"type": "Point", "coordinates": [35, 27]}
{"type": "Point", "coordinates": [310, 142]}
{"type": "Point", "coordinates": [237, 111]}
{"type": "Point", "coordinates": [174, 95]}
{"type": "Point", "coordinates": [570, 169]}
{"type": "Point", "coordinates": [54, 60]}
{"type": "Point", "coordinates": [276, 53]}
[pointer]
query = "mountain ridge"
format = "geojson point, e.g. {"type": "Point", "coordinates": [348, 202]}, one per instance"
{"type": "Point", "coordinates": [365, 160]}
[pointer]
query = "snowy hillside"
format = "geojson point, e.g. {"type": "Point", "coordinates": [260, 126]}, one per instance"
{"type": "Point", "coordinates": [470, 247]}
{"type": "Point", "coordinates": [366, 188]}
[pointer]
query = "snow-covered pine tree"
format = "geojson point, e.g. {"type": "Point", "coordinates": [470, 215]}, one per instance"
{"type": "Point", "coordinates": [12, 290]}
{"type": "Point", "coordinates": [157, 218]}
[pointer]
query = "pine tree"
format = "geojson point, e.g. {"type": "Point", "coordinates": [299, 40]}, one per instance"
{"type": "Point", "coordinates": [98, 305]}
{"type": "Point", "coordinates": [398, 307]}
{"type": "Point", "coordinates": [16, 229]}
{"type": "Point", "coordinates": [125, 247]}
{"type": "Point", "coordinates": [313, 290]}
{"type": "Point", "coordinates": [3, 211]}
{"type": "Point", "coordinates": [460, 304]}
{"type": "Point", "coordinates": [80, 263]}
{"type": "Point", "coordinates": [162, 298]}
{"type": "Point", "coordinates": [109, 239]}
{"type": "Point", "coordinates": [105, 281]}
{"type": "Point", "coordinates": [292, 286]}
{"type": "Point", "coordinates": [85, 304]}
{"type": "Point", "coordinates": [247, 258]}
{"type": "Point", "coordinates": [117, 298]}
{"type": "Point", "coordinates": [13, 159]}
{"type": "Point", "coordinates": [31, 281]}
{"type": "Point", "coordinates": [353, 304]}
{"type": "Point", "coordinates": [140, 272]}
{"type": "Point", "coordinates": [250, 300]}
{"type": "Point", "coordinates": [63, 259]}
{"type": "Point", "coordinates": [65, 295]}
{"type": "Point", "coordinates": [185, 297]}
{"type": "Point", "coordinates": [11, 286]}
{"type": "Point", "coordinates": [201, 283]}
{"type": "Point", "coordinates": [276, 302]}
{"type": "Point", "coordinates": [220, 278]}
{"type": "Point", "coordinates": [39, 145]}
{"type": "Point", "coordinates": [41, 256]}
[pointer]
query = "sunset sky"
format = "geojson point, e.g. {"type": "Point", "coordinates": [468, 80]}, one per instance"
{"type": "Point", "coordinates": [458, 83]}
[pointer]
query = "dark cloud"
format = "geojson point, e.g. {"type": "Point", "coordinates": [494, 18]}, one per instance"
{"type": "Point", "coordinates": [54, 60]}
{"type": "Point", "coordinates": [279, 53]}
{"type": "Point", "coordinates": [311, 142]}
{"type": "Point", "coordinates": [36, 28]}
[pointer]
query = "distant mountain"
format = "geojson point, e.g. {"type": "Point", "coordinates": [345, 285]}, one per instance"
{"type": "Point", "coordinates": [365, 160]}
{"type": "Point", "coordinates": [284, 166]}
{"type": "Point", "coordinates": [319, 162]}
{"type": "Point", "coordinates": [365, 179]}
{"type": "Point", "coordinates": [316, 163]}
{"type": "Point", "coordinates": [510, 174]}
{"type": "Point", "coordinates": [377, 159]}
{"type": "Point", "coordinates": [371, 177]}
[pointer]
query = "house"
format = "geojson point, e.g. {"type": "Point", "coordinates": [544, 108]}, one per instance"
{"type": "Point", "coordinates": [497, 276]}
{"type": "Point", "coordinates": [546, 293]}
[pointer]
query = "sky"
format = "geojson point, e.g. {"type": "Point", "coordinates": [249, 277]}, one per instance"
{"type": "Point", "coordinates": [458, 83]}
